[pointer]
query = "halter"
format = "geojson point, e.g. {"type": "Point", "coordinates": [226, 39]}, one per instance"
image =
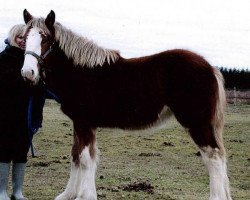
{"type": "Point", "coordinates": [41, 58]}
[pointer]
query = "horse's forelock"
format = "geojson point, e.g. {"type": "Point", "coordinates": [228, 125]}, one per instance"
{"type": "Point", "coordinates": [39, 23]}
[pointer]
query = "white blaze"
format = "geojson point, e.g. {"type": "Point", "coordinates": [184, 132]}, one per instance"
{"type": "Point", "coordinates": [30, 65]}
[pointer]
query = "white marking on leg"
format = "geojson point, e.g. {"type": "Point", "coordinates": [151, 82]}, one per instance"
{"type": "Point", "coordinates": [216, 165]}
{"type": "Point", "coordinates": [73, 184]}
{"type": "Point", "coordinates": [87, 166]}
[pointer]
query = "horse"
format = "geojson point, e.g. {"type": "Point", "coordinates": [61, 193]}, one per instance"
{"type": "Point", "coordinates": [97, 87]}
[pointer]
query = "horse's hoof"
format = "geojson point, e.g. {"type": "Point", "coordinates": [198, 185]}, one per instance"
{"type": "Point", "coordinates": [88, 198]}
{"type": "Point", "coordinates": [64, 196]}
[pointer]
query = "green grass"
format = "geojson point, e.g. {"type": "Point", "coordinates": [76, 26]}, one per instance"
{"type": "Point", "coordinates": [165, 158]}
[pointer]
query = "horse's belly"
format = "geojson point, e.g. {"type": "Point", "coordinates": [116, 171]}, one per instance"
{"type": "Point", "coordinates": [136, 119]}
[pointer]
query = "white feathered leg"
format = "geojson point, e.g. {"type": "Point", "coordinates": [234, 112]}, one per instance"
{"type": "Point", "coordinates": [73, 183]}
{"type": "Point", "coordinates": [81, 185]}
{"type": "Point", "coordinates": [88, 164]}
{"type": "Point", "coordinates": [216, 165]}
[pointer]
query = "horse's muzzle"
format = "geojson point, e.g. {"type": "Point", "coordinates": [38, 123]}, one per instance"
{"type": "Point", "coordinates": [28, 75]}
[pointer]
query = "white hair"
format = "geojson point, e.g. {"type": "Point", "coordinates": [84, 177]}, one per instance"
{"type": "Point", "coordinates": [15, 31]}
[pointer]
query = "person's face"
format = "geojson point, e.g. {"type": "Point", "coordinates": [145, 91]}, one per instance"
{"type": "Point", "coordinates": [20, 42]}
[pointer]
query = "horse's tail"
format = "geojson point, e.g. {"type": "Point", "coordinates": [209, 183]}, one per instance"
{"type": "Point", "coordinates": [218, 121]}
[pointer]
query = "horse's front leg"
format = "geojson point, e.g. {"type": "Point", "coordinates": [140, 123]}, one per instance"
{"type": "Point", "coordinates": [81, 185]}
{"type": "Point", "coordinates": [71, 189]}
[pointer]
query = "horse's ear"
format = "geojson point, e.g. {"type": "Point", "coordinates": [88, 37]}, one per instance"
{"type": "Point", "coordinates": [27, 16]}
{"type": "Point", "coordinates": [50, 19]}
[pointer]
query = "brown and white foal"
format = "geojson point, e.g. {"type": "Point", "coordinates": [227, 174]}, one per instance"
{"type": "Point", "coordinates": [99, 88]}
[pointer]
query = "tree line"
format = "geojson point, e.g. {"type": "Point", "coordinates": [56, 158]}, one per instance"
{"type": "Point", "coordinates": [234, 78]}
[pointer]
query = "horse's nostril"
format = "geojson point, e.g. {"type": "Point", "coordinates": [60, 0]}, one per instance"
{"type": "Point", "coordinates": [32, 72]}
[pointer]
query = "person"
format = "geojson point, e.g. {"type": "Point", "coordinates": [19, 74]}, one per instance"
{"type": "Point", "coordinates": [15, 96]}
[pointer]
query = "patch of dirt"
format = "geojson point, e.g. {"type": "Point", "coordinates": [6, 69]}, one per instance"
{"type": "Point", "coordinates": [111, 189]}
{"type": "Point", "coordinates": [169, 144]}
{"type": "Point", "coordinates": [198, 153]}
{"type": "Point", "coordinates": [65, 157]}
{"type": "Point", "coordinates": [139, 186]}
{"type": "Point", "coordinates": [65, 124]}
{"type": "Point", "coordinates": [237, 141]}
{"type": "Point", "coordinates": [45, 164]}
{"type": "Point", "coordinates": [149, 139]}
{"type": "Point", "coordinates": [41, 164]}
{"type": "Point", "coordinates": [150, 154]}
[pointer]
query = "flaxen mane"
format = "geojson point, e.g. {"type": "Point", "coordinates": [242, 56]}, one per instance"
{"type": "Point", "coordinates": [83, 51]}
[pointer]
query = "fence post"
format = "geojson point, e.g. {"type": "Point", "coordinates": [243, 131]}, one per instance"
{"type": "Point", "coordinates": [235, 96]}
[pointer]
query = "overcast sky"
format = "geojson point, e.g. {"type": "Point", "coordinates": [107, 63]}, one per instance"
{"type": "Point", "coordinates": [219, 30]}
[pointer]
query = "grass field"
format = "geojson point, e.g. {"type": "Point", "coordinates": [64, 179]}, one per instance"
{"type": "Point", "coordinates": [160, 164]}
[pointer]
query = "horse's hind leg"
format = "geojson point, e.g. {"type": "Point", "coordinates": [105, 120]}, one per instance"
{"type": "Point", "coordinates": [213, 155]}
{"type": "Point", "coordinates": [199, 106]}
{"type": "Point", "coordinates": [207, 134]}
{"type": "Point", "coordinates": [81, 184]}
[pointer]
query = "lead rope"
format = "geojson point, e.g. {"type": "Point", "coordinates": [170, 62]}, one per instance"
{"type": "Point", "coordinates": [30, 131]}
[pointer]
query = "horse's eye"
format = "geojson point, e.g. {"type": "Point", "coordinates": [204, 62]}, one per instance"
{"type": "Point", "coordinates": [44, 41]}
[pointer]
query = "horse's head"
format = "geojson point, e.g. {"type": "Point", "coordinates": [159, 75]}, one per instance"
{"type": "Point", "coordinates": [39, 40]}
